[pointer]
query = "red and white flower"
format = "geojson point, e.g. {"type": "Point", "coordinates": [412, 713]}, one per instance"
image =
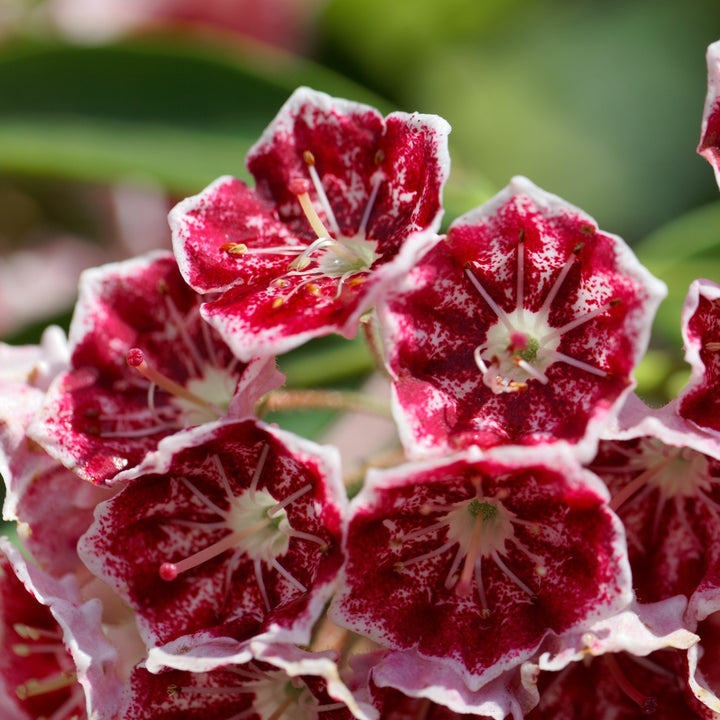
{"type": "Point", "coordinates": [699, 400]}
{"type": "Point", "coordinates": [229, 530]}
{"type": "Point", "coordinates": [143, 365]}
{"type": "Point", "coordinates": [55, 661]}
{"type": "Point", "coordinates": [345, 201]}
{"type": "Point", "coordinates": [523, 326]}
{"type": "Point", "coordinates": [471, 561]}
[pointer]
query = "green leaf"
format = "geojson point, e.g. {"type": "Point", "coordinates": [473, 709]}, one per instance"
{"type": "Point", "coordinates": [177, 113]}
{"type": "Point", "coordinates": [678, 253]}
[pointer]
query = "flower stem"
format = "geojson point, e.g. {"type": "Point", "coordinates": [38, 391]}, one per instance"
{"type": "Point", "coordinates": [279, 400]}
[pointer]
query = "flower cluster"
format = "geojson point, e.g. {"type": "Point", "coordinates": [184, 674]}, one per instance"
{"type": "Point", "coordinates": [548, 546]}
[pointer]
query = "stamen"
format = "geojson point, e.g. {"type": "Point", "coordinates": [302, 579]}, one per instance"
{"type": "Point", "coordinates": [258, 470]}
{"type": "Point", "coordinates": [401, 565]}
{"type": "Point", "coordinates": [449, 580]}
{"type": "Point", "coordinates": [290, 498]}
{"type": "Point", "coordinates": [293, 581]}
{"type": "Point", "coordinates": [481, 588]}
{"type": "Point", "coordinates": [242, 249]}
{"type": "Point", "coordinates": [560, 279]}
{"type": "Point", "coordinates": [285, 705]}
{"type": "Point", "coordinates": [521, 275]}
{"type": "Point", "coordinates": [307, 536]}
{"type": "Point", "coordinates": [632, 487]}
{"type": "Point", "coordinates": [30, 632]}
{"type": "Point", "coordinates": [194, 368]}
{"type": "Point", "coordinates": [204, 499]}
{"type": "Point", "coordinates": [309, 159]}
{"type": "Point", "coordinates": [300, 187]}
{"type": "Point", "coordinates": [261, 584]}
{"type": "Point", "coordinates": [501, 314]}
{"type": "Point", "coordinates": [648, 704]}
{"type": "Point", "coordinates": [303, 259]}
{"type": "Point", "coordinates": [575, 363]}
{"type": "Point", "coordinates": [136, 359]}
{"type": "Point", "coordinates": [712, 346]}
{"type": "Point", "coordinates": [33, 687]}
{"type": "Point", "coordinates": [510, 574]}
{"type": "Point", "coordinates": [25, 649]}
{"type": "Point", "coordinates": [371, 201]}
{"type": "Point", "coordinates": [531, 371]}
{"type": "Point", "coordinates": [557, 332]}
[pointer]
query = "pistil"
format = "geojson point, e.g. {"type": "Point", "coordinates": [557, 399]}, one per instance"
{"type": "Point", "coordinates": [136, 360]}
{"type": "Point", "coordinates": [647, 703]}
{"type": "Point", "coordinates": [522, 344]}
{"type": "Point", "coordinates": [170, 571]}
{"type": "Point", "coordinates": [301, 189]}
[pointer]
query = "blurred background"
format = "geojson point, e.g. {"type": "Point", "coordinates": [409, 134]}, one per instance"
{"type": "Point", "coordinates": [113, 110]}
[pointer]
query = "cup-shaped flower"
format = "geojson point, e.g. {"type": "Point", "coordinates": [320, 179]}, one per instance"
{"type": "Point", "coordinates": [345, 201]}
{"type": "Point", "coordinates": [472, 560]}
{"type": "Point", "coordinates": [709, 146]}
{"type": "Point", "coordinates": [699, 400]}
{"type": "Point", "coordinates": [143, 365]}
{"type": "Point", "coordinates": [523, 326]}
{"type": "Point", "coordinates": [664, 478]}
{"type": "Point", "coordinates": [228, 530]}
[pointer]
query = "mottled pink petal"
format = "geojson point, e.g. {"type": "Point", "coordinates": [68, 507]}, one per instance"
{"type": "Point", "coordinates": [345, 202]}
{"type": "Point", "coordinates": [523, 326]}
{"type": "Point", "coordinates": [709, 146]}
{"type": "Point", "coordinates": [471, 561]}
{"type": "Point", "coordinates": [699, 401]}
{"type": "Point", "coordinates": [664, 477]}
{"type": "Point", "coordinates": [703, 661]}
{"type": "Point", "coordinates": [636, 668]}
{"type": "Point", "coordinates": [103, 416]}
{"type": "Point", "coordinates": [397, 677]}
{"type": "Point", "coordinates": [263, 510]}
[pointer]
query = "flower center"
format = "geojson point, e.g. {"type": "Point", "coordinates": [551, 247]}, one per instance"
{"type": "Point", "coordinates": [480, 528]}
{"type": "Point", "coordinates": [258, 527]}
{"type": "Point", "coordinates": [332, 255]}
{"type": "Point", "coordinates": [676, 472]}
{"type": "Point", "coordinates": [521, 345]}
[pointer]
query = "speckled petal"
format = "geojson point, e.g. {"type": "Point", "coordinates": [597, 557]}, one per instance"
{"type": "Point", "coordinates": [261, 506]}
{"type": "Point", "coordinates": [471, 561]}
{"type": "Point", "coordinates": [523, 326]}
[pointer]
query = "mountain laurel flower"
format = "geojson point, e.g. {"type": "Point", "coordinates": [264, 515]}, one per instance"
{"type": "Point", "coordinates": [345, 201]}
{"type": "Point", "coordinates": [232, 529]}
{"type": "Point", "coordinates": [143, 365]}
{"type": "Point", "coordinates": [709, 146]}
{"type": "Point", "coordinates": [472, 560]}
{"type": "Point", "coordinates": [522, 326]}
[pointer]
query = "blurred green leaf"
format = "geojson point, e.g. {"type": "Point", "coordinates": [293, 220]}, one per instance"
{"type": "Point", "coordinates": [678, 253]}
{"type": "Point", "coordinates": [598, 102]}
{"type": "Point", "coordinates": [325, 361]}
{"type": "Point", "coordinates": [176, 113]}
